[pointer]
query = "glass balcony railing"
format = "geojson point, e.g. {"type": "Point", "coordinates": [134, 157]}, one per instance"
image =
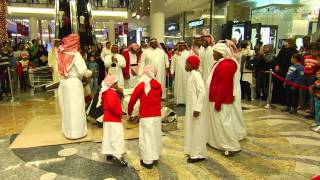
{"type": "Point", "coordinates": [96, 3]}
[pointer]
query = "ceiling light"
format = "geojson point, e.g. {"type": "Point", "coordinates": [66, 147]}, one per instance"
{"type": "Point", "coordinates": [48, 11]}
{"type": "Point", "coordinates": [111, 13]}
{"type": "Point", "coordinates": [24, 10]}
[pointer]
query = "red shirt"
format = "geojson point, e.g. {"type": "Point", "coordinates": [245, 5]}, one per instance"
{"type": "Point", "coordinates": [150, 105]}
{"type": "Point", "coordinates": [20, 68]}
{"type": "Point", "coordinates": [111, 106]}
{"type": "Point", "coordinates": [126, 55]}
{"type": "Point", "coordinates": [221, 86]}
{"type": "Point", "coordinates": [310, 65]}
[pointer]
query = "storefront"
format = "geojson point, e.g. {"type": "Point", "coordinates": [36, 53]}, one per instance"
{"type": "Point", "coordinates": [269, 21]}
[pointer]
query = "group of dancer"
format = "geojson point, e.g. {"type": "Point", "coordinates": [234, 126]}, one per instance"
{"type": "Point", "coordinates": [210, 90]}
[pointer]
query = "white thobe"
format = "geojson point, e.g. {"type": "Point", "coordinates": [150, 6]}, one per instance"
{"type": "Point", "coordinates": [71, 99]}
{"type": "Point", "coordinates": [194, 136]}
{"type": "Point", "coordinates": [150, 139]}
{"type": "Point", "coordinates": [133, 81]}
{"type": "Point", "coordinates": [116, 71]}
{"type": "Point", "coordinates": [206, 61]}
{"type": "Point", "coordinates": [221, 125]}
{"type": "Point", "coordinates": [53, 63]}
{"type": "Point", "coordinates": [160, 60]}
{"type": "Point", "coordinates": [105, 52]}
{"type": "Point", "coordinates": [181, 76]}
{"type": "Point", "coordinates": [113, 139]}
{"type": "Point", "coordinates": [237, 116]}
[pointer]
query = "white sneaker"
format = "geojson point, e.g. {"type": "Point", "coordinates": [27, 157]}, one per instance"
{"type": "Point", "coordinates": [316, 129]}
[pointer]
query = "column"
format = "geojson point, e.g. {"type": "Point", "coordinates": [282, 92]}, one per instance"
{"type": "Point", "coordinates": [111, 32]}
{"type": "Point", "coordinates": [157, 20]}
{"type": "Point", "coordinates": [33, 28]}
{"type": "Point", "coordinates": [3, 21]}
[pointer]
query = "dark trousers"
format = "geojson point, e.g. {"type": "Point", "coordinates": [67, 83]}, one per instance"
{"type": "Point", "coordinates": [307, 97]}
{"type": "Point", "coordinates": [262, 84]}
{"type": "Point", "coordinates": [245, 90]}
{"type": "Point", "coordinates": [24, 81]}
{"type": "Point", "coordinates": [292, 97]}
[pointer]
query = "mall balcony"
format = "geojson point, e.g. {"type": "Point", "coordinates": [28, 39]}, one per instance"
{"type": "Point", "coordinates": [98, 4]}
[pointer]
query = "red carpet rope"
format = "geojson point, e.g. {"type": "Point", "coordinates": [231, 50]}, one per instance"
{"type": "Point", "coordinates": [289, 82]}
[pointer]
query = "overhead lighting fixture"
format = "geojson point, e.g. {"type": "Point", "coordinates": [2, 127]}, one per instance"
{"type": "Point", "coordinates": [28, 10]}
{"type": "Point", "coordinates": [48, 11]}
{"type": "Point", "coordinates": [111, 13]}
{"type": "Point", "coordinates": [207, 16]}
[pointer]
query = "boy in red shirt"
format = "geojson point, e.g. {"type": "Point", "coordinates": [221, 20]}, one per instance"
{"type": "Point", "coordinates": [113, 144]}
{"type": "Point", "coordinates": [310, 68]}
{"type": "Point", "coordinates": [23, 66]}
{"type": "Point", "coordinates": [149, 92]}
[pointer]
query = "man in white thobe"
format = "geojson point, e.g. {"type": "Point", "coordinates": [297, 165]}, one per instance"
{"type": "Point", "coordinates": [206, 57]}
{"type": "Point", "coordinates": [106, 50]}
{"type": "Point", "coordinates": [157, 57]}
{"type": "Point", "coordinates": [72, 68]}
{"type": "Point", "coordinates": [218, 108]}
{"type": "Point", "coordinates": [181, 76]}
{"type": "Point", "coordinates": [114, 64]}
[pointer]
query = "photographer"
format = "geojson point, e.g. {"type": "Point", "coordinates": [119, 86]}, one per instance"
{"type": "Point", "coordinates": [114, 64]}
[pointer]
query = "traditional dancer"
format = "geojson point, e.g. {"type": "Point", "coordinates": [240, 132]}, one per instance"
{"type": "Point", "coordinates": [130, 72]}
{"type": "Point", "coordinates": [219, 100]}
{"type": "Point", "coordinates": [181, 75]}
{"type": "Point", "coordinates": [194, 136]}
{"type": "Point", "coordinates": [113, 144]}
{"type": "Point", "coordinates": [156, 56]}
{"type": "Point", "coordinates": [149, 93]}
{"type": "Point", "coordinates": [72, 68]}
{"type": "Point", "coordinates": [114, 64]}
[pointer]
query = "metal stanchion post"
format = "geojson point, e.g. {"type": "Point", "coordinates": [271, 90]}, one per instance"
{"type": "Point", "coordinates": [10, 83]}
{"type": "Point", "coordinates": [268, 106]}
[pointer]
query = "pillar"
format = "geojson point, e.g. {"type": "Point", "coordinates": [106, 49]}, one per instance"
{"type": "Point", "coordinates": [3, 21]}
{"type": "Point", "coordinates": [111, 32]}
{"type": "Point", "coordinates": [33, 27]}
{"type": "Point", "coordinates": [157, 20]}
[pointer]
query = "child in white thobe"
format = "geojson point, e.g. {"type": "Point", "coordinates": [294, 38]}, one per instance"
{"type": "Point", "coordinates": [195, 140]}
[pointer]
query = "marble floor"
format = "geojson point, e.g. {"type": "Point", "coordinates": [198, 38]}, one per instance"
{"type": "Point", "coordinates": [278, 146]}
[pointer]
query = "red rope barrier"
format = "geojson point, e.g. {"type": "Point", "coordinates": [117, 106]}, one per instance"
{"type": "Point", "coordinates": [289, 82]}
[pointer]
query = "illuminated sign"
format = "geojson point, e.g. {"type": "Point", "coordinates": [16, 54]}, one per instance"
{"type": "Point", "coordinates": [173, 27]}
{"type": "Point", "coordinates": [196, 23]}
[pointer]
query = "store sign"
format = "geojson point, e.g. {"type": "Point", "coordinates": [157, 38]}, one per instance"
{"type": "Point", "coordinates": [173, 27]}
{"type": "Point", "coordinates": [196, 23]}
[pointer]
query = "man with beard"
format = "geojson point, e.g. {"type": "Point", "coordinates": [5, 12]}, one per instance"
{"type": "Point", "coordinates": [221, 87]}
{"type": "Point", "coordinates": [130, 71]}
{"type": "Point", "coordinates": [106, 50]}
{"type": "Point", "coordinates": [157, 57]}
{"type": "Point", "coordinates": [114, 64]}
{"type": "Point", "coordinates": [206, 57]}
{"type": "Point", "coordinates": [181, 75]}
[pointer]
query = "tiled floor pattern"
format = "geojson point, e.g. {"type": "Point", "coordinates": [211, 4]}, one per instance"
{"type": "Point", "coordinates": [278, 146]}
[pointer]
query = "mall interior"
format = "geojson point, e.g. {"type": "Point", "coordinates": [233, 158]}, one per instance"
{"type": "Point", "coordinates": [268, 40]}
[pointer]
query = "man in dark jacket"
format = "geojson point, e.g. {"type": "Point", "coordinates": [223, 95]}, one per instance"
{"type": "Point", "coordinates": [283, 63]}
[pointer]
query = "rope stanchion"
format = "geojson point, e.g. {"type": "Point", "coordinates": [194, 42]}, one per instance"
{"type": "Point", "coordinates": [268, 106]}
{"type": "Point", "coordinates": [271, 73]}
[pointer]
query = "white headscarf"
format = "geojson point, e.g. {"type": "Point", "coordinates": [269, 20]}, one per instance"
{"type": "Point", "coordinates": [149, 73]}
{"type": "Point", "coordinates": [106, 84]}
{"type": "Point", "coordinates": [223, 50]}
